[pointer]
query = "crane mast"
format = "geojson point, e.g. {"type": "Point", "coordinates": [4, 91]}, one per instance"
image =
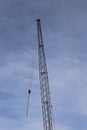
{"type": "Point", "coordinates": [44, 83]}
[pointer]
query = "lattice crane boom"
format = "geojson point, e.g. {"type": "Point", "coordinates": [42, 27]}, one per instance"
{"type": "Point", "coordinates": [44, 83]}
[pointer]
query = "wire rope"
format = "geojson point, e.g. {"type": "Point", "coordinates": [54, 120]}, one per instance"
{"type": "Point", "coordinates": [30, 85]}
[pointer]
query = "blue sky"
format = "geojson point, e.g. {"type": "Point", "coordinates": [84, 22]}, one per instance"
{"type": "Point", "coordinates": [64, 26]}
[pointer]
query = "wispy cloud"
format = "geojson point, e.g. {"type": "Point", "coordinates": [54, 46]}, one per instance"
{"type": "Point", "coordinates": [64, 29]}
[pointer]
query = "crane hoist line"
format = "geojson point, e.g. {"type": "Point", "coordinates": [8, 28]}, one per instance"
{"type": "Point", "coordinates": [44, 82]}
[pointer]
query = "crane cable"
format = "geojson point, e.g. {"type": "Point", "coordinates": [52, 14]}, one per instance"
{"type": "Point", "coordinates": [29, 89]}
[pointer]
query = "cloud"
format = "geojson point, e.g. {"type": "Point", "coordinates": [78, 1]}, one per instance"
{"type": "Point", "coordinates": [68, 87]}
{"type": "Point", "coordinates": [15, 80]}
{"type": "Point", "coordinates": [64, 32]}
{"type": "Point", "coordinates": [24, 124]}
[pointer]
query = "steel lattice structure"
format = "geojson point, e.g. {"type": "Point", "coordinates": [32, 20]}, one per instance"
{"type": "Point", "coordinates": [44, 83]}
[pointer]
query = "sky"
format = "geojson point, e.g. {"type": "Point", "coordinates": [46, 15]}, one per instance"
{"type": "Point", "coordinates": [64, 27]}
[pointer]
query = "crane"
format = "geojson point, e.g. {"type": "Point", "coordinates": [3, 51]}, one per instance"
{"type": "Point", "coordinates": [44, 82]}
